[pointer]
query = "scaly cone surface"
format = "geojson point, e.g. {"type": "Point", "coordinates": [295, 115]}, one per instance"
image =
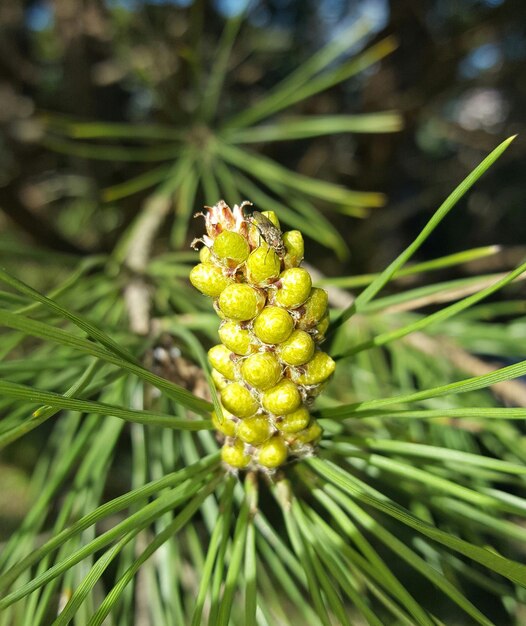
{"type": "Point", "coordinates": [268, 367]}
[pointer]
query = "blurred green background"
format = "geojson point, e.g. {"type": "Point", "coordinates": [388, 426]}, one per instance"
{"type": "Point", "coordinates": [458, 77]}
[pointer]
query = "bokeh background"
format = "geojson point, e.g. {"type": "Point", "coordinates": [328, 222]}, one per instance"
{"type": "Point", "coordinates": [458, 77]}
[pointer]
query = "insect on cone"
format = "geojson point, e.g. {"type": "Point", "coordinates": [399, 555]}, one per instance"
{"type": "Point", "coordinates": [268, 367]}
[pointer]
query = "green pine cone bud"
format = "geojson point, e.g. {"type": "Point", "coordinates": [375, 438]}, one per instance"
{"type": "Point", "coordinates": [239, 401]}
{"type": "Point", "coordinates": [294, 422]}
{"type": "Point", "coordinates": [273, 325]}
{"type": "Point", "coordinates": [205, 254]}
{"type": "Point", "coordinates": [293, 241]}
{"type": "Point", "coordinates": [261, 370]}
{"type": "Point", "coordinates": [310, 434]}
{"type": "Point", "coordinates": [297, 349]}
{"type": "Point", "coordinates": [263, 266]}
{"type": "Point", "coordinates": [220, 381]}
{"type": "Point", "coordinates": [231, 248]}
{"type": "Point", "coordinates": [234, 455]}
{"type": "Point", "coordinates": [281, 399]}
{"type": "Point", "coordinates": [220, 359]}
{"type": "Point", "coordinates": [236, 338]}
{"type": "Point", "coordinates": [254, 430]}
{"type": "Point", "coordinates": [241, 302]}
{"type": "Point", "coordinates": [227, 426]}
{"type": "Point", "coordinates": [209, 279]}
{"type": "Point", "coordinates": [314, 309]}
{"type": "Point", "coordinates": [273, 453]}
{"type": "Point", "coordinates": [296, 285]}
{"type": "Point", "coordinates": [316, 371]}
{"type": "Point", "coordinates": [267, 368]}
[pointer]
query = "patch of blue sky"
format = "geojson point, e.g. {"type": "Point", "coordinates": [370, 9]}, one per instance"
{"type": "Point", "coordinates": [177, 3]}
{"type": "Point", "coordinates": [376, 12]}
{"type": "Point", "coordinates": [340, 15]}
{"type": "Point", "coordinates": [480, 59]}
{"type": "Point", "coordinates": [39, 16]}
{"type": "Point", "coordinates": [133, 5]}
{"type": "Point", "coordinates": [231, 8]}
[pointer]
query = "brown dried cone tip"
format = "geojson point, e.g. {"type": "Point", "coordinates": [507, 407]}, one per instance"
{"type": "Point", "coordinates": [268, 367]}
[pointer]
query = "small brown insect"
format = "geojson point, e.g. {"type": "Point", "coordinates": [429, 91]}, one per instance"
{"type": "Point", "coordinates": [269, 232]}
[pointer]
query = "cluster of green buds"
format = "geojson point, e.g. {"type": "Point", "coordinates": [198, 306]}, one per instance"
{"type": "Point", "coordinates": [268, 367]}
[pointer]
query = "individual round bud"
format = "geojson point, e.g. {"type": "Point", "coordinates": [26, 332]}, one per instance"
{"type": "Point", "coordinates": [293, 241]}
{"type": "Point", "coordinates": [241, 302]}
{"type": "Point", "coordinates": [310, 435]}
{"type": "Point", "coordinates": [234, 454]}
{"type": "Point", "coordinates": [261, 370]}
{"type": "Point", "coordinates": [322, 327]}
{"type": "Point", "coordinates": [263, 265]}
{"type": "Point", "coordinates": [236, 338]}
{"type": "Point", "coordinates": [297, 349]}
{"type": "Point", "coordinates": [231, 247]}
{"type": "Point", "coordinates": [314, 308]}
{"type": "Point", "coordinates": [273, 325]}
{"type": "Point", "coordinates": [227, 425]}
{"type": "Point", "coordinates": [281, 399]}
{"type": "Point", "coordinates": [209, 279]}
{"type": "Point", "coordinates": [238, 400]}
{"type": "Point", "coordinates": [295, 287]}
{"type": "Point", "coordinates": [316, 371]}
{"type": "Point", "coordinates": [219, 358]}
{"type": "Point", "coordinates": [295, 421]}
{"type": "Point", "coordinates": [205, 255]}
{"type": "Point", "coordinates": [254, 430]}
{"type": "Point", "coordinates": [273, 453]}
{"type": "Point", "coordinates": [220, 381]}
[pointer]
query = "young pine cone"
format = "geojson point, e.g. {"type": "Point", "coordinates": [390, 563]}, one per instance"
{"type": "Point", "coordinates": [268, 367]}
